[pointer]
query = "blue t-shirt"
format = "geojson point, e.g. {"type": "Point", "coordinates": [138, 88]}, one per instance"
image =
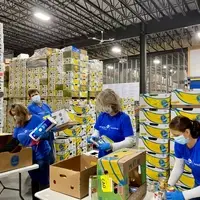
{"type": "Point", "coordinates": [40, 111]}
{"type": "Point", "coordinates": [41, 150]}
{"type": "Point", "coordinates": [115, 127]}
{"type": "Point", "coordinates": [191, 158]}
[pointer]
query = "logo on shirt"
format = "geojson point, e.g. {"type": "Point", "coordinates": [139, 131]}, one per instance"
{"type": "Point", "coordinates": [190, 162]}
{"type": "Point", "coordinates": [108, 127]}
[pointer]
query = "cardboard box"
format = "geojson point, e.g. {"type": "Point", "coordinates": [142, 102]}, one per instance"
{"type": "Point", "coordinates": [154, 130]}
{"type": "Point", "coordinates": [82, 119]}
{"type": "Point", "coordinates": [191, 113]}
{"type": "Point", "coordinates": [154, 173]}
{"type": "Point", "coordinates": [93, 185]}
{"type": "Point", "coordinates": [157, 160]}
{"type": "Point", "coordinates": [61, 117]}
{"type": "Point", "coordinates": [155, 101]}
{"type": "Point", "coordinates": [62, 155]}
{"type": "Point", "coordinates": [154, 116]}
{"type": "Point", "coordinates": [65, 143]}
{"type": "Point", "coordinates": [155, 145]}
{"type": "Point", "coordinates": [16, 160]}
{"type": "Point", "coordinates": [186, 180]}
{"type": "Point", "coordinates": [120, 170]}
{"type": "Point", "coordinates": [185, 97]}
{"type": "Point", "coordinates": [71, 177]}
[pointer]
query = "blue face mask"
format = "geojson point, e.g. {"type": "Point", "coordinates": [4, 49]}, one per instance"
{"type": "Point", "coordinates": [181, 139]}
{"type": "Point", "coordinates": [36, 99]}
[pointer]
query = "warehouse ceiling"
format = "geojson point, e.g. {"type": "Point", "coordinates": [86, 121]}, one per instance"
{"type": "Point", "coordinates": [74, 22]}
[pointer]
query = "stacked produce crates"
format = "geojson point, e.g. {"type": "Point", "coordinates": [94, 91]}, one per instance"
{"type": "Point", "coordinates": [95, 77]}
{"type": "Point", "coordinates": [154, 134]}
{"type": "Point", "coordinates": [184, 103]}
{"type": "Point", "coordinates": [2, 69]}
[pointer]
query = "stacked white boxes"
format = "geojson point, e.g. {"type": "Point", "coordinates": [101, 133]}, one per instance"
{"type": "Point", "coordinates": [95, 77]}
{"type": "Point", "coordinates": [154, 134]}
{"type": "Point", "coordinates": [184, 103]}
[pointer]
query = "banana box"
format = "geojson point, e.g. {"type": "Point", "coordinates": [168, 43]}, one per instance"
{"type": "Point", "coordinates": [81, 150]}
{"type": "Point", "coordinates": [154, 130]}
{"type": "Point", "coordinates": [156, 145]}
{"type": "Point", "coordinates": [78, 109]}
{"type": "Point", "coordinates": [182, 188]}
{"type": "Point", "coordinates": [89, 129]}
{"type": "Point", "coordinates": [158, 101]}
{"type": "Point", "coordinates": [172, 162]}
{"type": "Point", "coordinates": [119, 170]}
{"type": "Point", "coordinates": [65, 155]}
{"type": "Point", "coordinates": [185, 97]}
{"type": "Point", "coordinates": [154, 173]}
{"type": "Point", "coordinates": [72, 132]}
{"type": "Point", "coordinates": [83, 94]}
{"type": "Point", "coordinates": [82, 119]}
{"type": "Point", "coordinates": [186, 180]}
{"type": "Point", "coordinates": [81, 141]}
{"type": "Point", "coordinates": [157, 160]}
{"type": "Point", "coordinates": [61, 117]}
{"type": "Point", "coordinates": [65, 144]}
{"type": "Point", "coordinates": [154, 116]}
{"type": "Point", "coordinates": [69, 67]}
{"type": "Point", "coordinates": [191, 113]}
{"type": "Point", "coordinates": [172, 143]}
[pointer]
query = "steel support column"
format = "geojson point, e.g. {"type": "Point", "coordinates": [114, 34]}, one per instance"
{"type": "Point", "coordinates": [143, 59]}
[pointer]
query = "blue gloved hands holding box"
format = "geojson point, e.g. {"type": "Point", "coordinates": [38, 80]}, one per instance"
{"type": "Point", "coordinates": [177, 195]}
{"type": "Point", "coordinates": [105, 147]}
{"type": "Point", "coordinates": [91, 139]}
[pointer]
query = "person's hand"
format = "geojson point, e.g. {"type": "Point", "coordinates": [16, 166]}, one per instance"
{"type": "Point", "coordinates": [105, 146]}
{"type": "Point", "coordinates": [91, 139]}
{"type": "Point", "coordinates": [177, 195]}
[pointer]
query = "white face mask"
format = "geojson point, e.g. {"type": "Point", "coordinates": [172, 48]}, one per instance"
{"type": "Point", "coordinates": [107, 110]}
{"type": "Point", "coordinates": [36, 99]}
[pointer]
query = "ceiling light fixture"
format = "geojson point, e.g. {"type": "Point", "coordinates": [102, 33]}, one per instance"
{"type": "Point", "coordinates": [198, 34]}
{"type": "Point", "coordinates": [110, 67]}
{"type": "Point", "coordinates": [164, 66]}
{"type": "Point", "coordinates": [42, 16]}
{"type": "Point", "coordinates": [116, 50]}
{"type": "Point", "coordinates": [156, 61]}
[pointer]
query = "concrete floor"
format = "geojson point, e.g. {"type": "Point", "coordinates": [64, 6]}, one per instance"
{"type": "Point", "coordinates": [12, 181]}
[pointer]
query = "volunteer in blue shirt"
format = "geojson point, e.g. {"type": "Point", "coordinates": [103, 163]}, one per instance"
{"type": "Point", "coordinates": [186, 135]}
{"type": "Point", "coordinates": [37, 107]}
{"type": "Point", "coordinates": [25, 123]}
{"type": "Point", "coordinates": [112, 123]}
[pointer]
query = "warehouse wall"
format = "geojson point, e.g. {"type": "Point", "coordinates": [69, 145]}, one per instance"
{"type": "Point", "coordinates": [170, 73]}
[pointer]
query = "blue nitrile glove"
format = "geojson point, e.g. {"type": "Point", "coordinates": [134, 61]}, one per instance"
{"type": "Point", "coordinates": [177, 195]}
{"type": "Point", "coordinates": [104, 147]}
{"type": "Point", "coordinates": [24, 139]}
{"type": "Point", "coordinates": [90, 138]}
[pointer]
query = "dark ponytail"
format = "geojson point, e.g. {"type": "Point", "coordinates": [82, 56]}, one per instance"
{"type": "Point", "coordinates": [181, 123]}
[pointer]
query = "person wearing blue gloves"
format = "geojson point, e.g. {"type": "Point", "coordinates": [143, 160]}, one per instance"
{"type": "Point", "coordinates": [37, 107]}
{"type": "Point", "coordinates": [186, 135]}
{"type": "Point", "coordinates": [25, 123]}
{"type": "Point", "coordinates": [112, 123]}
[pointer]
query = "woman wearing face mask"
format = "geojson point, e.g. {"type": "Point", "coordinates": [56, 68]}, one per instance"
{"type": "Point", "coordinates": [186, 135]}
{"type": "Point", "coordinates": [113, 123]}
{"type": "Point", "coordinates": [25, 123]}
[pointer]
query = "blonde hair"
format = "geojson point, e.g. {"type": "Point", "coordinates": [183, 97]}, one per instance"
{"type": "Point", "coordinates": [108, 98]}
{"type": "Point", "coordinates": [21, 111]}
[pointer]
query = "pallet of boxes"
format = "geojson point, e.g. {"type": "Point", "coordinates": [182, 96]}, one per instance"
{"type": "Point", "coordinates": [184, 103]}
{"type": "Point", "coordinates": [154, 134]}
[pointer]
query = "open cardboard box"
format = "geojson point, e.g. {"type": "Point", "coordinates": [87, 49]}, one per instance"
{"type": "Point", "coordinates": [21, 158]}
{"type": "Point", "coordinates": [71, 177]}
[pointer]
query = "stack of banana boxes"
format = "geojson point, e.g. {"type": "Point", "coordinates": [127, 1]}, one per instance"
{"type": "Point", "coordinates": [128, 106]}
{"type": "Point", "coordinates": [154, 134]}
{"type": "Point", "coordinates": [95, 77]}
{"type": "Point", "coordinates": [184, 103]}
{"type": "Point", "coordinates": [74, 141]}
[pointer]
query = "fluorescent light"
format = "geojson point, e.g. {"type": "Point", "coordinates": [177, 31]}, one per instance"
{"type": "Point", "coordinates": [110, 67]}
{"type": "Point", "coordinates": [116, 50]}
{"type": "Point", "coordinates": [171, 70]}
{"type": "Point", "coordinates": [156, 61]}
{"type": "Point", "coordinates": [198, 34]}
{"type": "Point", "coordinates": [164, 66]}
{"type": "Point", "coordinates": [42, 16]}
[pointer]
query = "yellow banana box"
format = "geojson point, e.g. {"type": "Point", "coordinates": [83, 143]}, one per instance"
{"type": "Point", "coordinates": [154, 130]}
{"type": "Point", "coordinates": [154, 173]}
{"type": "Point", "coordinates": [172, 162]}
{"type": "Point", "coordinates": [186, 180]}
{"type": "Point", "coordinates": [154, 116]}
{"type": "Point", "coordinates": [182, 188]}
{"type": "Point", "coordinates": [185, 97]}
{"type": "Point", "coordinates": [158, 101]}
{"type": "Point", "coordinates": [65, 144]}
{"type": "Point", "coordinates": [122, 168]}
{"type": "Point", "coordinates": [81, 141]}
{"type": "Point", "coordinates": [157, 160]}
{"type": "Point", "coordinates": [65, 155]}
{"type": "Point", "coordinates": [78, 109]}
{"type": "Point", "coordinates": [82, 119]}
{"type": "Point", "coordinates": [83, 94]}
{"type": "Point", "coordinates": [81, 150]}
{"type": "Point", "coordinates": [155, 145]}
{"type": "Point", "coordinates": [191, 113]}
{"type": "Point", "coordinates": [73, 132]}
